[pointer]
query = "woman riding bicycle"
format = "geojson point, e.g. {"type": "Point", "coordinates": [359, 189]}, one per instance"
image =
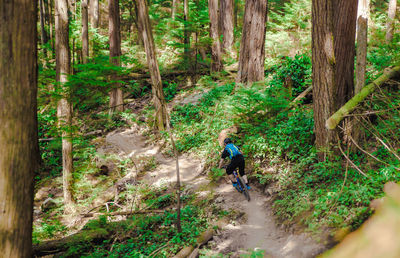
{"type": "Point", "coordinates": [237, 161]}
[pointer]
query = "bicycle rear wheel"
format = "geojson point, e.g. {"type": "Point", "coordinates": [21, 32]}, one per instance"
{"type": "Point", "coordinates": [245, 190]}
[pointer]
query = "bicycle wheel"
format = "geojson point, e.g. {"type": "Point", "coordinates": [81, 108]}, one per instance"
{"type": "Point", "coordinates": [243, 186]}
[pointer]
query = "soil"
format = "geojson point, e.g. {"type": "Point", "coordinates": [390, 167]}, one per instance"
{"type": "Point", "coordinates": [256, 230]}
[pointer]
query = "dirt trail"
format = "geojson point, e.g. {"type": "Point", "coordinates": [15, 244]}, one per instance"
{"type": "Point", "coordinates": [256, 230]}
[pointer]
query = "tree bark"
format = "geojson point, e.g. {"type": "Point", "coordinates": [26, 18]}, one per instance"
{"type": "Point", "coordinates": [173, 9]}
{"type": "Point", "coordinates": [252, 47]}
{"type": "Point", "coordinates": [64, 109]}
{"type": "Point", "coordinates": [391, 19]}
{"type": "Point", "coordinates": [362, 41]}
{"type": "Point", "coordinates": [157, 90]}
{"type": "Point", "coordinates": [51, 24]}
{"type": "Point", "coordinates": [85, 31]}
{"type": "Point", "coordinates": [345, 18]}
{"type": "Point", "coordinates": [186, 33]}
{"type": "Point", "coordinates": [333, 37]}
{"type": "Point", "coordinates": [94, 13]}
{"type": "Point", "coordinates": [216, 64]}
{"type": "Point", "coordinates": [116, 98]}
{"type": "Point", "coordinates": [323, 72]}
{"type": "Point", "coordinates": [43, 32]}
{"type": "Point", "coordinates": [226, 20]}
{"type": "Point", "coordinates": [18, 130]}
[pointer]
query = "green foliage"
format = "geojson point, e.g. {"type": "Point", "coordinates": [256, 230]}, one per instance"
{"type": "Point", "coordinates": [47, 229]}
{"type": "Point", "coordinates": [298, 69]}
{"type": "Point", "coordinates": [170, 90]}
{"type": "Point", "coordinates": [149, 233]}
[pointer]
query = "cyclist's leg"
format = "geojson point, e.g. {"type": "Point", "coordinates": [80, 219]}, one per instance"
{"type": "Point", "coordinates": [229, 170]}
{"type": "Point", "coordinates": [241, 165]}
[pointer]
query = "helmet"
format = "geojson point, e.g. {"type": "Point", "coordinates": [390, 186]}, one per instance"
{"type": "Point", "coordinates": [227, 140]}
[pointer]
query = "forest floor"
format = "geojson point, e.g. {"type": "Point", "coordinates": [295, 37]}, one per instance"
{"type": "Point", "coordinates": [254, 230]}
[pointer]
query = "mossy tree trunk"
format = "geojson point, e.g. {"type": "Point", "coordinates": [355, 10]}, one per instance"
{"type": "Point", "coordinates": [157, 90]}
{"type": "Point", "coordinates": [252, 47]}
{"type": "Point", "coordinates": [64, 109]}
{"type": "Point", "coordinates": [116, 98]}
{"type": "Point", "coordinates": [18, 130]}
{"type": "Point", "coordinates": [216, 64]}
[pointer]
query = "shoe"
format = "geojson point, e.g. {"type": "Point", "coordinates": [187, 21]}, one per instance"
{"type": "Point", "coordinates": [248, 187]}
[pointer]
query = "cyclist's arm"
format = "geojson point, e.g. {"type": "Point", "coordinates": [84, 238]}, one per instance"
{"type": "Point", "coordinates": [223, 156]}
{"type": "Point", "coordinates": [221, 162]}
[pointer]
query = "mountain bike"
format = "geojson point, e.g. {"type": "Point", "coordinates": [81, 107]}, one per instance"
{"type": "Point", "coordinates": [241, 186]}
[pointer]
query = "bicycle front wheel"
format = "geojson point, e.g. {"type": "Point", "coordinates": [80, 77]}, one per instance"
{"type": "Point", "coordinates": [245, 190]}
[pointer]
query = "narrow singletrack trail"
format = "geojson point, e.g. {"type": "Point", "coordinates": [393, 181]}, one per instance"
{"type": "Point", "coordinates": [255, 230]}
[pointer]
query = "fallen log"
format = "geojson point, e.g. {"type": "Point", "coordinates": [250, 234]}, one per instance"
{"type": "Point", "coordinates": [123, 213]}
{"type": "Point", "coordinates": [60, 245]}
{"type": "Point", "coordinates": [335, 119]}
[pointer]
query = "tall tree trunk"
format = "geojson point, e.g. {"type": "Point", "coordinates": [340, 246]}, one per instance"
{"type": "Point", "coordinates": [252, 47]}
{"type": "Point", "coordinates": [333, 38]}
{"type": "Point", "coordinates": [116, 98]}
{"type": "Point", "coordinates": [186, 32]}
{"type": "Point", "coordinates": [361, 64]}
{"type": "Point", "coordinates": [43, 33]}
{"type": "Point", "coordinates": [390, 21]}
{"type": "Point", "coordinates": [362, 41]}
{"type": "Point", "coordinates": [173, 9]}
{"type": "Point", "coordinates": [216, 64]}
{"type": "Point", "coordinates": [51, 24]}
{"type": "Point", "coordinates": [323, 72]}
{"type": "Point", "coordinates": [226, 19]}
{"type": "Point", "coordinates": [157, 90]}
{"type": "Point", "coordinates": [94, 13]}
{"type": "Point", "coordinates": [85, 31]}
{"type": "Point", "coordinates": [18, 130]}
{"type": "Point", "coordinates": [345, 18]}
{"type": "Point", "coordinates": [64, 109]}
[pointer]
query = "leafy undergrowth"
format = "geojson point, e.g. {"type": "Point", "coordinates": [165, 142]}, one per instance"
{"type": "Point", "coordinates": [278, 144]}
{"type": "Point", "coordinates": [146, 235]}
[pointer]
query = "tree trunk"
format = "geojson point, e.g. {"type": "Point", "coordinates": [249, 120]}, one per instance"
{"type": "Point", "coordinates": [18, 130]}
{"type": "Point", "coordinates": [85, 31]}
{"type": "Point", "coordinates": [216, 64]}
{"type": "Point", "coordinates": [43, 33]}
{"type": "Point", "coordinates": [116, 98]}
{"type": "Point", "coordinates": [226, 19]}
{"type": "Point", "coordinates": [64, 109]}
{"type": "Point", "coordinates": [51, 24]}
{"type": "Point", "coordinates": [323, 72]}
{"type": "Point", "coordinates": [390, 21]}
{"type": "Point", "coordinates": [173, 9]}
{"type": "Point", "coordinates": [147, 36]}
{"type": "Point", "coordinates": [252, 47]}
{"type": "Point", "coordinates": [345, 18]}
{"type": "Point", "coordinates": [333, 36]}
{"type": "Point", "coordinates": [94, 13]}
{"type": "Point", "coordinates": [186, 32]}
{"type": "Point", "coordinates": [362, 41]}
